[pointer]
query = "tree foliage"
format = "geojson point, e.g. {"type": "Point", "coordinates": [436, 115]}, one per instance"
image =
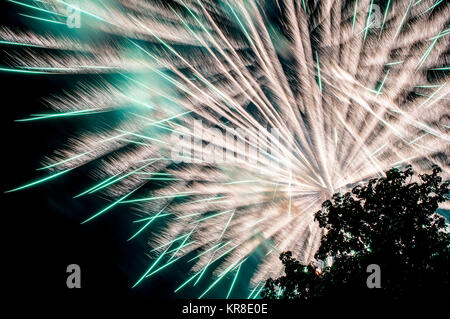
{"type": "Point", "coordinates": [391, 222]}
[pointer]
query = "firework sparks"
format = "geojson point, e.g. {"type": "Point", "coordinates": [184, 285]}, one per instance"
{"type": "Point", "coordinates": [349, 99]}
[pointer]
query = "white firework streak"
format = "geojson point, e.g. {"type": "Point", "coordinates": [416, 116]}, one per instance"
{"type": "Point", "coordinates": [349, 100]}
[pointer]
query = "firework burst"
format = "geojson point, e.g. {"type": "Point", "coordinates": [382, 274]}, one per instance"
{"type": "Point", "coordinates": [351, 87]}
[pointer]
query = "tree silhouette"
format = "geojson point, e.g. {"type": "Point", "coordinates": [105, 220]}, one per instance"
{"type": "Point", "coordinates": [391, 222]}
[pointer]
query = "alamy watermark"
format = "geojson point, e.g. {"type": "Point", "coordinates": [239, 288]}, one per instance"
{"type": "Point", "coordinates": [199, 143]}
{"type": "Point", "coordinates": [374, 279]}
{"type": "Point", "coordinates": [376, 18]}
{"type": "Point", "coordinates": [74, 279]}
{"type": "Point", "coordinates": [73, 20]}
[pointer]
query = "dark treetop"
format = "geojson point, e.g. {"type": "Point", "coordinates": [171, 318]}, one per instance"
{"type": "Point", "coordinates": [391, 222]}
